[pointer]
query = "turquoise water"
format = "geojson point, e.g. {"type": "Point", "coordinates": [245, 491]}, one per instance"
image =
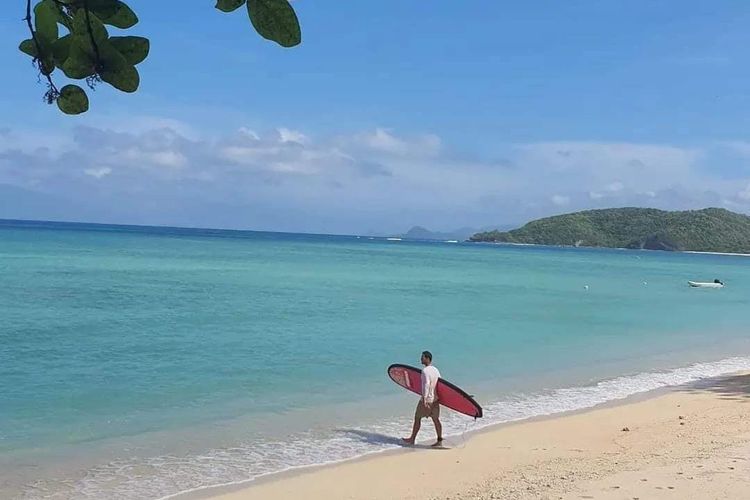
{"type": "Point", "coordinates": [141, 362]}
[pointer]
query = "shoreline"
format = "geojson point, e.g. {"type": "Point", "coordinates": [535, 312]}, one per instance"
{"type": "Point", "coordinates": [194, 476]}
{"type": "Point", "coordinates": [220, 491]}
{"type": "Point", "coordinates": [646, 406]}
{"type": "Point", "coordinates": [540, 245]}
{"type": "Point", "coordinates": [730, 254]}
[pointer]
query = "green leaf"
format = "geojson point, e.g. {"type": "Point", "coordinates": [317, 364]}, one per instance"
{"type": "Point", "coordinates": [61, 49]}
{"type": "Point", "coordinates": [63, 18]}
{"type": "Point", "coordinates": [80, 61]}
{"type": "Point", "coordinates": [116, 14]}
{"type": "Point", "coordinates": [47, 62]}
{"type": "Point", "coordinates": [45, 20]}
{"type": "Point", "coordinates": [117, 71]}
{"type": "Point", "coordinates": [82, 22]}
{"type": "Point", "coordinates": [102, 8]}
{"type": "Point", "coordinates": [275, 20]}
{"type": "Point", "coordinates": [229, 5]}
{"type": "Point", "coordinates": [28, 47]}
{"type": "Point", "coordinates": [125, 78]}
{"type": "Point", "coordinates": [134, 48]}
{"type": "Point", "coordinates": [73, 100]}
{"type": "Point", "coordinates": [47, 65]}
{"type": "Point", "coordinates": [60, 15]}
{"type": "Point", "coordinates": [45, 59]}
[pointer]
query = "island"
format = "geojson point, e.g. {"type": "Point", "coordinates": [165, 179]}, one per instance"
{"type": "Point", "coordinates": [462, 234]}
{"type": "Point", "coordinates": [707, 230]}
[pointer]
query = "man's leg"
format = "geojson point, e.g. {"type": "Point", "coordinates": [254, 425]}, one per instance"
{"type": "Point", "coordinates": [438, 425]}
{"type": "Point", "coordinates": [417, 425]}
{"type": "Point", "coordinates": [414, 431]}
{"type": "Point", "coordinates": [438, 429]}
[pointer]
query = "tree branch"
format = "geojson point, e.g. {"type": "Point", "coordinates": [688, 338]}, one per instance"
{"type": "Point", "coordinates": [52, 93]}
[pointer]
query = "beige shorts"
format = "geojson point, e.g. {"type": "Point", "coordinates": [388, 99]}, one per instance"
{"type": "Point", "coordinates": [423, 412]}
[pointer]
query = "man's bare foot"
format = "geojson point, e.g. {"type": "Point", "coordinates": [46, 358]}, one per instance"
{"type": "Point", "coordinates": [438, 443]}
{"type": "Point", "coordinates": [407, 440]}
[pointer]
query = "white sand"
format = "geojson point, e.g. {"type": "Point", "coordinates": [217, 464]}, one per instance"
{"type": "Point", "coordinates": [687, 444]}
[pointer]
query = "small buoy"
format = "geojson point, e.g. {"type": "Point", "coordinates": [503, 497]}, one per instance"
{"type": "Point", "coordinates": [585, 287]}
{"type": "Point", "coordinates": [645, 282]}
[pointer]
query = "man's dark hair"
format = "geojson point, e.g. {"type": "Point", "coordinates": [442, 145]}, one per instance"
{"type": "Point", "coordinates": [427, 354]}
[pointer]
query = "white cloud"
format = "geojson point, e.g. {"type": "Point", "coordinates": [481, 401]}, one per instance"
{"type": "Point", "coordinates": [251, 134]}
{"type": "Point", "coordinates": [608, 191]}
{"type": "Point", "coordinates": [98, 173]}
{"type": "Point", "coordinates": [286, 179]}
{"type": "Point", "coordinates": [293, 167]}
{"type": "Point", "coordinates": [240, 154]}
{"type": "Point", "coordinates": [385, 141]}
{"type": "Point", "coordinates": [560, 200]}
{"type": "Point", "coordinates": [138, 157]}
{"type": "Point", "coordinates": [610, 163]}
{"type": "Point", "coordinates": [288, 135]}
{"type": "Point", "coordinates": [170, 159]}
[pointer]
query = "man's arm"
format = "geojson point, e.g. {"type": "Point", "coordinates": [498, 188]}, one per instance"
{"type": "Point", "coordinates": [429, 386]}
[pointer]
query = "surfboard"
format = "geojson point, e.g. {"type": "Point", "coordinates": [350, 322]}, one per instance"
{"type": "Point", "coordinates": [449, 395]}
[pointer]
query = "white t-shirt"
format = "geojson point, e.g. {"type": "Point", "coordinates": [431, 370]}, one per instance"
{"type": "Point", "coordinates": [430, 376]}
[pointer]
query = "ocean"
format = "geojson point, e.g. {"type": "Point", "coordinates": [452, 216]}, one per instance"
{"type": "Point", "coordinates": [141, 362]}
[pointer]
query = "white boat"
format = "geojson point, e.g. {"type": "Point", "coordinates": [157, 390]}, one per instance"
{"type": "Point", "coordinates": [702, 284]}
{"type": "Point", "coordinates": [393, 239]}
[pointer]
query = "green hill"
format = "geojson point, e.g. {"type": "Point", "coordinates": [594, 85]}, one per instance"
{"type": "Point", "coordinates": [707, 230]}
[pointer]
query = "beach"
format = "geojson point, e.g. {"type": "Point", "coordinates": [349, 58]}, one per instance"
{"type": "Point", "coordinates": [689, 442]}
{"type": "Point", "coordinates": [148, 362]}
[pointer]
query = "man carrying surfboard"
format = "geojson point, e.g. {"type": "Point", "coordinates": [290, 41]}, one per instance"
{"type": "Point", "coordinates": [428, 404]}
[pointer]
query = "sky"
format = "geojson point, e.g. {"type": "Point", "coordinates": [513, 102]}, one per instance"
{"type": "Point", "coordinates": [392, 114]}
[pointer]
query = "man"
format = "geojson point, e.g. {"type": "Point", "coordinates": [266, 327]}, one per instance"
{"type": "Point", "coordinates": [428, 404]}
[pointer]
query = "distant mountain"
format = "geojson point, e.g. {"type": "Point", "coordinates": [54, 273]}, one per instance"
{"type": "Point", "coordinates": [707, 230]}
{"type": "Point", "coordinates": [421, 233]}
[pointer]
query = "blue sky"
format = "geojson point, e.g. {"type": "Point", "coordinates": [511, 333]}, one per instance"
{"type": "Point", "coordinates": [394, 113]}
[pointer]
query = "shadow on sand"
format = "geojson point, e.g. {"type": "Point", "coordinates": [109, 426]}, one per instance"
{"type": "Point", "coordinates": [734, 388]}
{"type": "Point", "coordinates": [378, 439]}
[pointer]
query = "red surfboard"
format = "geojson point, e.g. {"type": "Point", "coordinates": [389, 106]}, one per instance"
{"type": "Point", "coordinates": [448, 394]}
